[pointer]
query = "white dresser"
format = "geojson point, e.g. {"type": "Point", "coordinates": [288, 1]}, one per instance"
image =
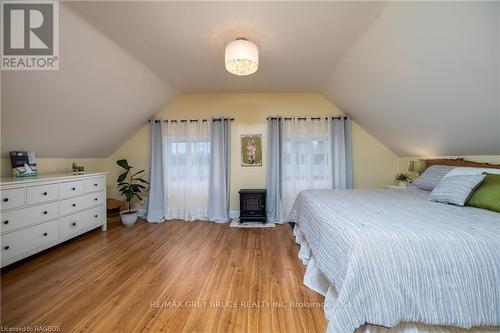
{"type": "Point", "coordinates": [40, 212]}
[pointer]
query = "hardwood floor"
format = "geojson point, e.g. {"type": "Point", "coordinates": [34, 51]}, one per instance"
{"type": "Point", "coordinates": [216, 278]}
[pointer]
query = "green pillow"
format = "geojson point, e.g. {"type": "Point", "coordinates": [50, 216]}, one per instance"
{"type": "Point", "coordinates": [487, 195]}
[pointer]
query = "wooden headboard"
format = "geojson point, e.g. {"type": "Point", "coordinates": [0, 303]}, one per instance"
{"type": "Point", "coordinates": [459, 162]}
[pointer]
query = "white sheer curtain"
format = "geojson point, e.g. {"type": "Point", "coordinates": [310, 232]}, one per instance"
{"type": "Point", "coordinates": [306, 157]}
{"type": "Point", "coordinates": [187, 146]}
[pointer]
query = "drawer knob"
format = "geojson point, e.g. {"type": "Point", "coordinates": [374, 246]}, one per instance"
{"type": "Point", "coordinates": [45, 193]}
{"type": "Point", "coordinates": [96, 216]}
{"type": "Point", "coordinates": [45, 212]}
{"type": "Point", "coordinates": [6, 247]}
{"type": "Point", "coordinates": [73, 188]}
{"type": "Point", "coordinates": [6, 222]}
{"type": "Point", "coordinates": [45, 234]}
{"type": "Point", "coordinates": [95, 184]}
{"type": "Point", "coordinates": [95, 199]}
{"type": "Point", "coordinates": [73, 224]}
{"type": "Point", "coordinates": [5, 199]}
{"type": "Point", "coordinates": [73, 205]}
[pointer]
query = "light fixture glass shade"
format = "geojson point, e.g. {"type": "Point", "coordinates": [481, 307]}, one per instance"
{"type": "Point", "coordinates": [417, 166]}
{"type": "Point", "coordinates": [242, 57]}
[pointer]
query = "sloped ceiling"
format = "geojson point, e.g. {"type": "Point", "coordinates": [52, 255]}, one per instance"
{"type": "Point", "coordinates": [184, 42]}
{"type": "Point", "coordinates": [422, 77]}
{"type": "Point", "coordinates": [98, 98]}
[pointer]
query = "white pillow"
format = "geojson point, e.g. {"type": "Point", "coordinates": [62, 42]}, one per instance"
{"type": "Point", "coordinates": [431, 177]}
{"type": "Point", "coordinates": [469, 171]}
{"type": "Point", "coordinates": [456, 190]}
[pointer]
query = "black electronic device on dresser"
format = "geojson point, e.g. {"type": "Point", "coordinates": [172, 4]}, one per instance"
{"type": "Point", "coordinates": [253, 206]}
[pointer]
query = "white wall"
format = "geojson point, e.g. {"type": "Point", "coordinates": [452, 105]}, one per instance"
{"type": "Point", "coordinates": [424, 78]}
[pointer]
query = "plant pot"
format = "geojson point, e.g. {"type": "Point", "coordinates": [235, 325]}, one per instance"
{"type": "Point", "coordinates": [129, 217]}
{"type": "Point", "coordinates": [403, 183]}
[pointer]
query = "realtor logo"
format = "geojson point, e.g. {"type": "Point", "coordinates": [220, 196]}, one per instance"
{"type": "Point", "coordinates": [30, 37]}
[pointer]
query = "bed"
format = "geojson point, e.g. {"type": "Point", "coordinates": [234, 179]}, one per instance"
{"type": "Point", "coordinates": [390, 258]}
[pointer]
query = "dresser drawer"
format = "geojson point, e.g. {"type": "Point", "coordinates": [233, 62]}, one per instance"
{"type": "Point", "coordinates": [23, 217]}
{"type": "Point", "coordinates": [72, 205]}
{"type": "Point", "coordinates": [18, 242]}
{"type": "Point", "coordinates": [95, 184]}
{"type": "Point", "coordinates": [95, 199]}
{"type": "Point", "coordinates": [78, 223]}
{"type": "Point", "coordinates": [71, 189]}
{"type": "Point", "coordinates": [42, 193]}
{"type": "Point", "coordinates": [12, 198]}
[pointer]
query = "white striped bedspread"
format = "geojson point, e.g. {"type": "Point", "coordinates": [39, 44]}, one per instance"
{"type": "Point", "coordinates": [393, 256]}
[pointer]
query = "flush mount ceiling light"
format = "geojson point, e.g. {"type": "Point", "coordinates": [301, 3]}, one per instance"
{"type": "Point", "coordinates": [242, 57]}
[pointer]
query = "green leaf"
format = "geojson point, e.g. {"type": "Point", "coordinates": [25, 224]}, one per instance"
{"type": "Point", "coordinates": [135, 174]}
{"type": "Point", "coordinates": [141, 180]}
{"type": "Point", "coordinates": [124, 164]}
{"type": "Point", "coordinates": [129, 195]}
{"type": "Point", "coordinates": [122, 177]}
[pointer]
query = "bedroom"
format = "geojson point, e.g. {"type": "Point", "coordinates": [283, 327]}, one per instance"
{"type": "Point", "coordinates": [270, 135]}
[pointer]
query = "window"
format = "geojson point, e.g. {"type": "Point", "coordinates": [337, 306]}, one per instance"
{"type": "Point", "coordinates": [187, 169]}
{"type": "Point", "coordinates": [306, 158]}
{"type": "Point", "coordinates": [195, 153]}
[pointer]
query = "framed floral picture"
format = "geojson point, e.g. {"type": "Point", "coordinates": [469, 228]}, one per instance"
{"type": "Point", "coordinates": [251, 150]}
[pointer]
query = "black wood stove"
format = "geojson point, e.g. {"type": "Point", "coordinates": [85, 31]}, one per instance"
{"type": "Point", "coordinates": [253, 206]}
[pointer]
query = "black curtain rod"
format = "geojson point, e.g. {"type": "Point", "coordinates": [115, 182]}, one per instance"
{"type": "Point", "coordinates": [304, 118]}
{"type": "Point", "coordinates": [186, 120]}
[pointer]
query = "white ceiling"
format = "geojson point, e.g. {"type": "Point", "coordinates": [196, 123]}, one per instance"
{"type": "Point", "coordinates": [422, 77]}
{"type": "Point", "coordinates": [183, 42]}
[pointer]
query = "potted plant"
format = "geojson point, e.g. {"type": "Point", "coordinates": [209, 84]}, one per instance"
{"type": "Point", "coordinates": [129, 185]}
{"type": "Point", "coordinates": [402, 179]}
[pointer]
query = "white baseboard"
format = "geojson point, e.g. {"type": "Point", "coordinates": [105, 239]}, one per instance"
{"type": "Point", "coordinates": [234, 214]}
{"type": "Point", "coordinates": [141, 212]}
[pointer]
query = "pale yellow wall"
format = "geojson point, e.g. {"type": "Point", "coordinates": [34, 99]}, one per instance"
{"type": "Point", "coordinates": [57, 165]}
{"type": "Point", "coordinates": [374, 165]}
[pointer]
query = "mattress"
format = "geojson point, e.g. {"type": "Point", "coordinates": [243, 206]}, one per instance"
{"type": "Point", "coordinates": [393, 257]}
